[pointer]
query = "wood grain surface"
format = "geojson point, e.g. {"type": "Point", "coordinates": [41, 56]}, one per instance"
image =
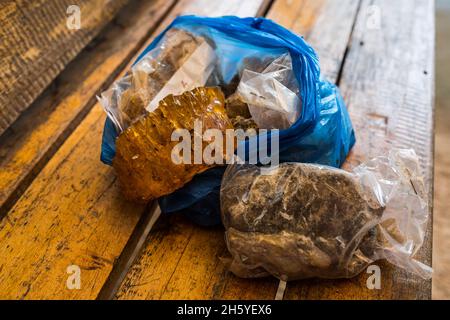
{"type": "Point", "coordinates": [441, 216]}
{"type": "Point", "coordinates": [28, 144]}
{"type": "Point", "coordinates": [387, 83]}
{"type": "Point", "coordinates": [73, 213]}
{"type": "Point", "coordinates": [37, 44]}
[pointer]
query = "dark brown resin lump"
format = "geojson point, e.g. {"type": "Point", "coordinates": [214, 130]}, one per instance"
{"type": "Point", "coordinates": [298, 221]}
{"type": "Point", "coordinates": [143, 159]}
{"type": "Point", "coordinates": [238, 112]}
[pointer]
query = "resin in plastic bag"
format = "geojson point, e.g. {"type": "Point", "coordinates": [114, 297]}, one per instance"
{"type": "Point", "coordinates": [305, 220]}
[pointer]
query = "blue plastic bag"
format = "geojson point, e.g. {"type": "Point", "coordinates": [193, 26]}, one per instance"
{"type": "Point", "coordinates": [323, 133]}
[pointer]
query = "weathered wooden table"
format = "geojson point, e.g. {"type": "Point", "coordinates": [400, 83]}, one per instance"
{"type": "Point", "coordinates": [60, 206]}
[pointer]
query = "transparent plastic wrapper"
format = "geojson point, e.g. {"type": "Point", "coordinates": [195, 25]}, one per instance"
{"type": "Point", "coordinates": [299, 220]}
{"type": "Point", "coordinates": [272, 95]}
{"type": "Point", "coordinates": [180, 63]}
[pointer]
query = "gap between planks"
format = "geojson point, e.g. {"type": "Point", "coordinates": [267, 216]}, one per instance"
{"type": "Point", "coordinates": [130, 252]}
{"type": "Point", "coordinates": [349, 42]}
{"type": "Point", "coordinates": [36, 46]}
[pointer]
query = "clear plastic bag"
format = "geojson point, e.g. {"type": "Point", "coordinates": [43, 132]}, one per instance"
{"type": "Point", "coordinates": [272, 95]}
{"type": "Point", "coordinates": [182, 62]}
{"type": "Point", "coordinates": [305, 220]}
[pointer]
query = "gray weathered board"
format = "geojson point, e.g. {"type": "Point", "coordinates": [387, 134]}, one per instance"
{"type": "Point", "coordinates": [36, 44]}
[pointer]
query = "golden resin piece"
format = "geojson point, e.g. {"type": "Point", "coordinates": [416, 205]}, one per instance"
{"type": "Point", "coordinates": [143, 159]}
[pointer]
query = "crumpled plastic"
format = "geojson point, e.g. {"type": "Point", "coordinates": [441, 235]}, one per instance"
{"type": "Point", "coordinates": [306, 220]}
{"type": "Point", "coordinates": [180, 63]}
{"type": "Point", "coordinates": [272, 95]}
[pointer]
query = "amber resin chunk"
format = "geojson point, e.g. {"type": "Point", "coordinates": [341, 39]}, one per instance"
{"type": "Point", "coordinates": [143, 159]}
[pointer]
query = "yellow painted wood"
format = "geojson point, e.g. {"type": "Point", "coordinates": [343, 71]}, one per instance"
{"type": "Point", "coordinates": [183, 261]}
{"type": "Point", "coordinates": [73, 212]}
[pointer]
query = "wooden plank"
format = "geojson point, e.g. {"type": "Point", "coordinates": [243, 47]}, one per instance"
{"type": "Point", "coordinates": [28, 144]}
{"type": "Point", "coordinates": [73, 213]}
{"type": "Point", "coordinates": [325, 24]}
{"type": "Point", "coordinates": [441, 218]}
{"type": "Point", "coordinates": [387, 82]}
{"type": "Point", "coordinates": [185, 262]}
{"type": "Point", "coordinates": [37, 45]}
